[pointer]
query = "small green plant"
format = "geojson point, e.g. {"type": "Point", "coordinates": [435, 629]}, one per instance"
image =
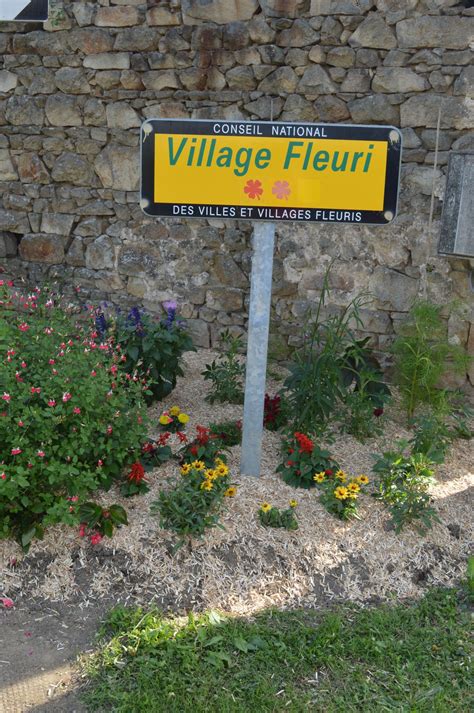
{"type": "Point", "coordinates": [318, 375]}
{"type": "Point", "coordinates": [155, 453]}
{"type": "Point", "coordinates": [151, 347]}
{"type": "Point", "coordinates": [229, 433]}
{"type": "Point", "coordinates": [403, 486]}
{"type": "Point", "coordinates": [339, 493]}
{"type": "Point", "coordinates": [422, 356]}
{"type": "Point", "coordinates": [470, 577]}
{"type": "Point", "coordinates": [226, 373]}
{"type": "Point", "coordinates": [102, 520]}
{"type": "Point", "coordinates": [271, 516]}
{"type": "Point", "coordinates": [358, 415]}
{"type": "Point", "coordinates": [432, 437]}
{"type": "Point", "coordinates": [193, 506]}
{"type": "Point", "coordinates": [302, 458]}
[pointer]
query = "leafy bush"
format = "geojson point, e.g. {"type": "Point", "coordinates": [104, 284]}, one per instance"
{"type": "Point", "coordinates": [422, 356]}
{"type": "Point", "coordinates": [229, 433]}
{"type": "Point", "coordinates": [270, 516]}
{"type": "Point", "coordinates": [153, 348]}
{"type": "Point", "coordinates": [226, 373]}
{"type": "Point", "coordinates": [102, 520]}
{"type": "Point", "coordinates": [403, 487]}
{"type": "Point", "coordinates": [302, 459]}
{"type": "Point", "coordinates": [432, 437]}
{"type": "Point", "coordinates": [193, 506]}
{"type": "Point", "coordinates": [71, 418]}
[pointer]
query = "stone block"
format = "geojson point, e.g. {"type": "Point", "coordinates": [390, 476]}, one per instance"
{"type": "Point", "coordinates": [75, 254]}
{"type": "Point", "coordinates": [24, 111]}
{"type": "Point", "coordinates": [8, 171]}
{"type": "Point", "coordinates": [71, 80]}
{"type": "Point", "coordinates": [448, 32]}
{"type": "Point", "coordinates": [42, 248]}
{"type": "Point", "coordinates": [393, 290]}
{"type": "Point", "coordinates": [228, 272]}
{"type": "Point", "coordinates": [120, 115]}
{"type": "Point", "coordinates": [235, 36]}
{"type": "Point", "coordinates": [91, 41]}
{"type": "Point", "coordinates": [199, 331]}
{"type": "Point", "coordinates": [398, 80]}
{"type": "Point", "coordinates": [264, 107]}
{"type": "Point", "coordinates": [117, 16]}
{"type": "Point", "coordinates": [300, 34]}
{"type": "Point", "coordinates": [374, 109]}
{"type": "Point", "coordinates": [340, 7]}
{"type": "Point", "coordinates": [100, 255]}
{"type": "Point", "coordinates": [8, 245]}
{"type": "Point", "coordinates": [83, 12]}
{"type": "Point", "coordinates": [71, 168]}
{"type": "Point", "coordinates": [282, 8]}
{"type": "Point", "coordinates": [57, 223]}
{"type": "Point", "coordinates": [219, 11]}
{"type": "Point", "coordinates": [331, 109]}
{"type": "Point", "coordinates": [340, 57]}
{"type": "Point", "coordinates": [464, 84]}
{"type": "Point", "coordinates": [281, 80]}
{"type": "Point", "coordinates": [31, 168]}
{"type": "Point", "coordinates": [260, 32]}
{"type": "Point", "coordinates": [62, 111]}
{"type": "Point", "coordinates": [422, 110]}
{"type": "Point", "coordinates": [118, 167]}
{"type": "Point", "coordinates": [227, 299]}
{"type": "Point", "coordinates": [241, 78]}
{"type": "Point", "coordinates": [162, 79]}
{"type": "Point", "coordinates": [14, 221]}
{"type": "Point", "coordinates": [136, 39]}
{"type": "Point", "coordinates": [315, 80]}
{"type": "Point", "coordinates": [374, 33]}
{"type": "Point", "coordinates": [107, 60]}
{"type": "Point", "coordinates": [297, 108]}
{"type": "Point", "coordinates": [357, 81]}
{"type": "Point", "coordinates": [8, 81]}
{"type": "Point", "coordinates": [162, 17]}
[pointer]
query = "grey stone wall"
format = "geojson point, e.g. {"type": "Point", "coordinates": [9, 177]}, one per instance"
{"type": "Point", "coordinates": [74, 92]}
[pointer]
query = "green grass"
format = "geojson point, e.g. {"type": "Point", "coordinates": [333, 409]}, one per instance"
{"type": "Point", "coordinates": [412, 659]}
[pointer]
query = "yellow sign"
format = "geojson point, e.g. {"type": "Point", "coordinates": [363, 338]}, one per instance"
{"type": "Point", "coordinates": [277, 172]}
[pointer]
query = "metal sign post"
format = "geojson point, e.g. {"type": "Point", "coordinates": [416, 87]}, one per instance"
{"type": "Point", "coordinates": [257, 346]}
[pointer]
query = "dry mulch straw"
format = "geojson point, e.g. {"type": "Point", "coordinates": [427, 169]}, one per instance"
{"type": "Point", "coordinates": [247, 567]}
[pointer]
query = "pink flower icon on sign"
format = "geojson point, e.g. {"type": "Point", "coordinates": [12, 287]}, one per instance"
{"type": "Point", "coordinates": [281, 189]}
{"type": "Point", "coordinates": [253, 189]}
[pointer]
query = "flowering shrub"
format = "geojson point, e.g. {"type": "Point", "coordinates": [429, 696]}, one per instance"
{"type": "Point", "coordinates": [302, 459]}
{"type": "Point", "coordinates": [173, 420]}
{"type": "Point", "coordinates": [194, 505]}
{"type": "Point", "coordinates": [274, 412]}
{"type": "Point", "coordinates": [339, 492]}
{"type": "Point", "coordinates": [205, 446]}
{"type": "Point", "coordinates": [70, 417]}
{"type": "Point", "coordinates": [229, 433]}
{"type": "Point", "coordinates": [102, 521]}
{"type": "Point", "coordinates": [274, 517]}
{"type": "Point", "coordinates": [135, 482]}
{"type": "Point", "coordinates": [152, 347]}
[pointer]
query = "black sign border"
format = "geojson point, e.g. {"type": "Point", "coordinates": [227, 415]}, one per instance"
{"type": "Point", "coordinates": [367, 132]}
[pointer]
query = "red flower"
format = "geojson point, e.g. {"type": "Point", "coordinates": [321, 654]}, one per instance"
{"type": "Point", "coordinates": [328, 471]}
{"type": "Point", "coordinates": [96, 538]}
{"type": "Point", "coordinates": [305, 443]}
{"type": "Point", "coordinates": [16, 451]}
{"type": "Point", "coordinates": [378, 412]}
{"type": "Point", "coordinates": [253, 189]}
{"type": "Point", "coordinates": [163, 438]}
{"type": "Point", "coordinates": [23, 327]}
{"type": "Point", "coordinates": [182, 437]}
{"type": "Point", "coordinates": [193, 450]}
{"type": "Point", "coordinates": [76, 410]}
{"type": "Point", "coordinates": [82, 529]}
{"type": "Point", "coordinates": [137, 473]}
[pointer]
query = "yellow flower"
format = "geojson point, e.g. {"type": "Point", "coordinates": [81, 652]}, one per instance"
{"type": "Point", "coordinates": [222, 469]}
{"type": "Point", "coordinates": [293, 503]}
{"type": "Point", "coordinates": [230, 492]}
{"type": "Point", "coordinates": [198, 465]}
{"type": "Point", "coordinates": [218, 461]}
{"type": "Point", "coordinates": [174, 411]}
{"type": "Point", "coordinates": [353, 487]}
{"type": "Point", "coordinates": [183, 418]}
{"type": "Point", "coordinates": [341, 493]}
{"type": "Point", "coordinates": [362, 479]}
{"type": "Point", "coordinates": [210, 474]}
{"type": "Point", "coordinates": [265, 507]}
{"type": "Point", "coordinates": [319, 477]}
{"type": "Point", "coordinates": [206, 485]}
{"type": "Point", "coordinates": [341, 475]}
{"type": "Point", "coordinates": [352, 496]}
{"type": "Point", "coordinates": [186, 468]}
{"type": "Point", "coordinates": [164, 419]}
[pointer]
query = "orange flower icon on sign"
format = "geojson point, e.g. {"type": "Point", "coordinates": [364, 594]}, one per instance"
{"type": "Point", "coordinates": [281, 189]}
{"type": "Point", "coordinates": [253, 189]}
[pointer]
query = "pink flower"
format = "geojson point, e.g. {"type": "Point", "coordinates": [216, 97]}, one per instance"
{"type": "Point", "coordinates": [51, 402]}
{"type": "Point", "coordinates": [23, 327]}
{"type": "Point", "coordinates": [23, 364]}
{"type": "Point", "coordinates": [93, 373]}
{"type": "Point", "coordinates": [3, 476]}
{"type": "Point", "coordinates": [54, 372]}
{"type": "Point", "coordinates": [48, 330]}
{"type": "Point", "coordinates": [76, 409]}
{"type": "Point", "coordinates": [20, 424]}
{"type": "Point", "coordinates": [66, 396]}
{"type": "Point", "coordinates": [7, 602]}
{"type": "Point", "coordinates": [82, 530]}
{"type": "Point", "coordinates": [100, 463]}
{"type": "Point", "coordinates": [52, 361]}
{"type": "Point", "coordinates": [113, 369]}
{"type": "Point", "coordinates": [11, 352]}
{"type": "Point", "coordinates": [6, 397]}
{"type": "Point", "coordinates": [281, 189]}
{"type": "Point", "coordinates": [41, 454]}
{"type": "Point", "coordinates": [49, 303]}
{"type": "Point", "coordinates": [36, 389]}
{"type": "Point", "coordinates": [96, 538]}
{"type": "Point", "coordinates": [109, 430]}
{"type": "Point", "coordinates": [18, 377]}
{"type": "Point", "coordinates": [16, 451]}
